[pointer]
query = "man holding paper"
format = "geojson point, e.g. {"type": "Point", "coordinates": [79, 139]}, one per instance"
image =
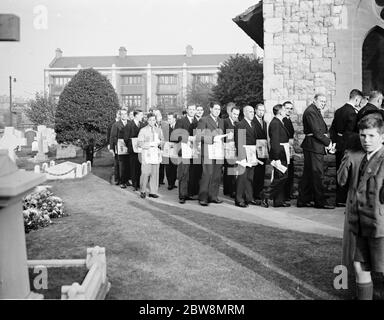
{"type": "Point", "coordinates": [133, 133]}
{"type": "Point", "coordinates": [262, 155]}
{"type": "Point", "coordinates": [229, 179]}
{"type": "Point", "coordinates": [150, 140]}
{"type": "Point", "coordinates": [314, 146]}
{"type": "Point", "coordinates": [279, 156]}
{"type": "Point", "coordinates": [209, 129]}
{"type": "Point", "coordinates": [182, 134]}
{"type": "Point", "coordinates": [245, 138]}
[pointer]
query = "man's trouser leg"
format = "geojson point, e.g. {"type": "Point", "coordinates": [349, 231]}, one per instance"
{"type": "Point", "coordinates": [258, 181]}
{"type": "Point", "coordinates": [183, 176]}
{"type": "Point", "coordinates": [341, 191]}
{"type": "Point", "coordinates": [289, 183]}
{"type": "Point", "coordinates": [214, 186]}
{"type": "Point", "coordinates": [277, 186]}
{"type": "Point", "coordinates": [145, 175]}
{"type": "Point", "coordinates": [116, 168]}
{"type": "Point", "coordinates": [244, 188]}
{"type": "Point", "coordinates": [306, 181]}
{"type": "Point", "coordinates": [171, 172]}
{"type": "Point", "coordinates": [318, 177]}
{"type": "Point", "coordinates": [124, 167]}
{"type": "Point", "coordinates": [205, 181]}
{"type": "Point", "coordinates": [135, 170]}
{"type": "Point", "coordinates": [154, 179]}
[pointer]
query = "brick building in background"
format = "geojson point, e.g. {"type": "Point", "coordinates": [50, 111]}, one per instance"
{"type": "Point", "coordinates": [141, 81]}
{"type": "Point", "coordinates": [328, 46]}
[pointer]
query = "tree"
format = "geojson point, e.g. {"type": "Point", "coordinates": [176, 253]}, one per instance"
{"type": "Point", "coordinates": [240, 80]}
{"type": "Point", "coordinates": [200, 94]}
{"type": "Point", "coordinates": [87, 106]}
{"type": "Point", "coordinates": [41, 110]}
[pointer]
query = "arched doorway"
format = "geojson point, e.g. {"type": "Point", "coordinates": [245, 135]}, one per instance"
{"type": "Point", "coordinates": [373, 60]}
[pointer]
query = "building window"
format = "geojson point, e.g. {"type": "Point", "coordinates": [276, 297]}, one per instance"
{"type": "Point", "coordinates": [167, 100]}
{"type": "Point", "coordinates": [203, 78]}
{"type": "Point", "coordinates": [131, 100]}
{"type": "Point", "coordinates": [167, 79]}
{"type": "Point", "coordinates": [61, 81]}
{"type": "Point", "coordinates": [134, 79]}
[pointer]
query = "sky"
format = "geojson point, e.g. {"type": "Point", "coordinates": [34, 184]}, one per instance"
{"type": "Point", "coordinates": [101, 27]}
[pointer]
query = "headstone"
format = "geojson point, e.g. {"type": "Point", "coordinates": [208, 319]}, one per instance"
{"type": "Point", "coordinates": [89, 166]}
{"type": "Point", "coordinates": [37, 169]}
{"type": "Point", "coordinates": [30, 136]}
{"type": "Point", "coordinates": [41, 155]}
{"type": "Point", "coordinates": [79, 171]}
{"type": "Point", "coordinates": [52, 163]}
{"type": "Point", "coordinates": [35, 146]}
{"type": "Point", "coordinates": [84, 169]}
{"type": "Point", "coordinates": [64, 151]}
{"type": "Point", "coordinates": [44, 167]}
{"type": "Point", "coordinates": [45, 146]}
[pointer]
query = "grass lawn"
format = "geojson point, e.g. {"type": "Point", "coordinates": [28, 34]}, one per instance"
{"type": "Point", "coordinates": [157, 251]}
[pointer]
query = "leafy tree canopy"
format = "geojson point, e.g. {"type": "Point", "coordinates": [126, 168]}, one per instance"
{"type": "Point", "coordinates": [41, 110]}
{"type": "Point", "coordinates": [240, 80]}
{"type": "Point", "coordinates": [87, 106]}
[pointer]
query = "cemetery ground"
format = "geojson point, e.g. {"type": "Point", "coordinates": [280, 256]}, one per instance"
{"type": "Point", "coordinates": [159, 249]}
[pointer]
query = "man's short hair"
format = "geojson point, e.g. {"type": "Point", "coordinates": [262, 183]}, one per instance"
{"type": "Point", "coordinates": [277, 108]}
{"type": "Point", "coordinates": [375, 94]}
{"type": "Point", "coordinates": [213, 103]}
{"type": "Point", "coordinates": [150, 115]}
{"type": "Point", "coordinates": [258, 105]}
{"type": "Point", "coordinates": [355, 93]}
{"type": "Point", "coordinates": [371, 121]}
{"type": "Point", "coordinates": [123, 109]}
{"type": "Point", "coordinates": [235, 108]}
{"type": "Point", "coordinates": [172, 114]}
{"type": "Point", "coordinates": [199, 106]}
{"type": "Point", "coordinates": [318, 95]}
{"type": "Point", "coordinates": [287, 102]}
{"type": "Point", "coordinates": [137, 111]}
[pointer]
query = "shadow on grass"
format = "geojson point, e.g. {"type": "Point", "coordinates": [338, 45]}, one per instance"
{"type": "Point", "coordinates": [308, 257]}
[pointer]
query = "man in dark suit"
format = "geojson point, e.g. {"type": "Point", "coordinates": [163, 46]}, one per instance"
{"type": "Point", "coordinates": [279, 139]}
{"type": "Point", "coordinates": [229, 179]}
{"type": "Point", "coordinates": [288, 107]}
{"type": "Point", "coordinates": [314, 146]}
{"type": "Point", "coordinates": [341, 131]}
{"type": "Point", "coordinates": [374, 105]}
{"type": "Point", "coordinates": [183, 130]}
{"type": "Point", "coordinates": [171, 166]}
{"type": "Point", "coordinates": [111, 147]}
{"type": "Point", "coordinates": [245, 135]}
{"type": "Point", "coordinates": [207, 129]}
{"type": "Point", "coordinates": [259, 171]}
{"type": "Point", "coordinates": [136, 125]}
{"type": "Point", "coordinates": [117, 133]}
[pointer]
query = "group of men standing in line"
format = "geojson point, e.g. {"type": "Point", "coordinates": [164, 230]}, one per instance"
{"type": "Point", "coordinates": [200, 178]}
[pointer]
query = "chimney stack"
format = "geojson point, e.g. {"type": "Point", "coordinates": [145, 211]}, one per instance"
{"type": "Point", "coordinates": [189, 51]}
{"type": "Point", "coordinates": [122, 52]}
{"type": "Point", "coordinates": [59, 53]}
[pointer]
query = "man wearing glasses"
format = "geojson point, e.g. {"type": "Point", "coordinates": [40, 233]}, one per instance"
{"type": "Point", "coordinates": [314, 145]}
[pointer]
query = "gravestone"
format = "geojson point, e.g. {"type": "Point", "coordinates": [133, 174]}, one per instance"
{"type": "Point", "coordinates": [79, 171]}
{"type": "Point", "coordinates": [35, 145]}
{"type": "Point", "coordinates": [30, 135]}
{"type": "Point", "coordinates": [65, 151]}
{"type": "Point", "coordinates": [14, 184]}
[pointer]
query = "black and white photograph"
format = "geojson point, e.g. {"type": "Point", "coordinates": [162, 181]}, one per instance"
{"type": "Point", "coordinates": [191, 156]}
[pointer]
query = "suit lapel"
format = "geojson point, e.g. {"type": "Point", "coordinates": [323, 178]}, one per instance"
{"type": "Point", "coordinates": [372, 167]}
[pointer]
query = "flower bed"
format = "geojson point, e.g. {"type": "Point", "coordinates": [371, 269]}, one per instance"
{"type": "Point", "coordinates": [39, 208]}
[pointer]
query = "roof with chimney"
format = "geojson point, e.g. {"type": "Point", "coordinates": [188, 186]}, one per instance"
{"type": "Point", "coordinates": [140, 61]}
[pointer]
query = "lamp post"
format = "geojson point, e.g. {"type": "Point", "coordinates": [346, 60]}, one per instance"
{"type": "Point", "coordinates": [10, 99]}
